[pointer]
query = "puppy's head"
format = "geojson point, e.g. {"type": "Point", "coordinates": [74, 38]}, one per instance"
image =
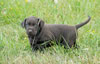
{"type": "Point", "coordinates": [32, 25]}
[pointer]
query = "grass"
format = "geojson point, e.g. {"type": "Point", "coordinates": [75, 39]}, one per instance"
{"type": "Point", "coordinates": [14, 44]}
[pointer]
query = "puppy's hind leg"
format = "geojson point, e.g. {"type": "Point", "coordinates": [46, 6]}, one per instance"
{"type": "Point", "coordinates": [73, 44]}
{"type": "Point", "coordinates": [65, 43]}
{"type": "Point", "coordinates": [69, 43]}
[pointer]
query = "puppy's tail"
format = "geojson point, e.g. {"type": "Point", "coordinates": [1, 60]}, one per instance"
{"type": "Point", "coordinates": [82, 24]}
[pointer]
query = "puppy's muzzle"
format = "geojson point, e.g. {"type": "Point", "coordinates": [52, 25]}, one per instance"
{"type": "Point", "coordinates": [29, 31]}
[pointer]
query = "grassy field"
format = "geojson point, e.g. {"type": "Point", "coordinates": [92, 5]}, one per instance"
{"type": "Point", "coordinates": [14, 44]}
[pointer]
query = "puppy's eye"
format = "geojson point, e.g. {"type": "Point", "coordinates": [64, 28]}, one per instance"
{"type": "Point", "coordinates": [29, 23]}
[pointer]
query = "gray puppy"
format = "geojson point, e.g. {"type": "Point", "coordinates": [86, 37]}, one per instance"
{"type": "Point", "coordinates": [38, 32]}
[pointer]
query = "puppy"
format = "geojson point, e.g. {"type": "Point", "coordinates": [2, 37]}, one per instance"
{"type": "Point", "coordinates": [38, 32]}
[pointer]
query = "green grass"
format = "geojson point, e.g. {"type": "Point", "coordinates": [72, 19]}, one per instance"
{"type": "Point", "coordinates": [14, 44]}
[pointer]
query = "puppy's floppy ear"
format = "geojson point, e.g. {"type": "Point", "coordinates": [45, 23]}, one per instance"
{"type": "Point", "coordinates": [23, 23]}
{"type": "Point", "coordinates": [40, 23]}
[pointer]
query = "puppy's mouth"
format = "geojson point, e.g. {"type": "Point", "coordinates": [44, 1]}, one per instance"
{"type": "Point", "coordinates": [31, 33]}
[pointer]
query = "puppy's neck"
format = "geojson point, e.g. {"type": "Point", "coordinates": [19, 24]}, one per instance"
{"type": "Point", "coordinates": [39, 31]}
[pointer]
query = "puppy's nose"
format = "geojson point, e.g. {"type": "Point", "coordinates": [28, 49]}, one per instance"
{"type": "Point", "coordinates": [30, 31]}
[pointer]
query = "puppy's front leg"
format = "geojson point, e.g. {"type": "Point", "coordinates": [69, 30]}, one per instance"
{"type": "Point", "coordinates": [32, 41]}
